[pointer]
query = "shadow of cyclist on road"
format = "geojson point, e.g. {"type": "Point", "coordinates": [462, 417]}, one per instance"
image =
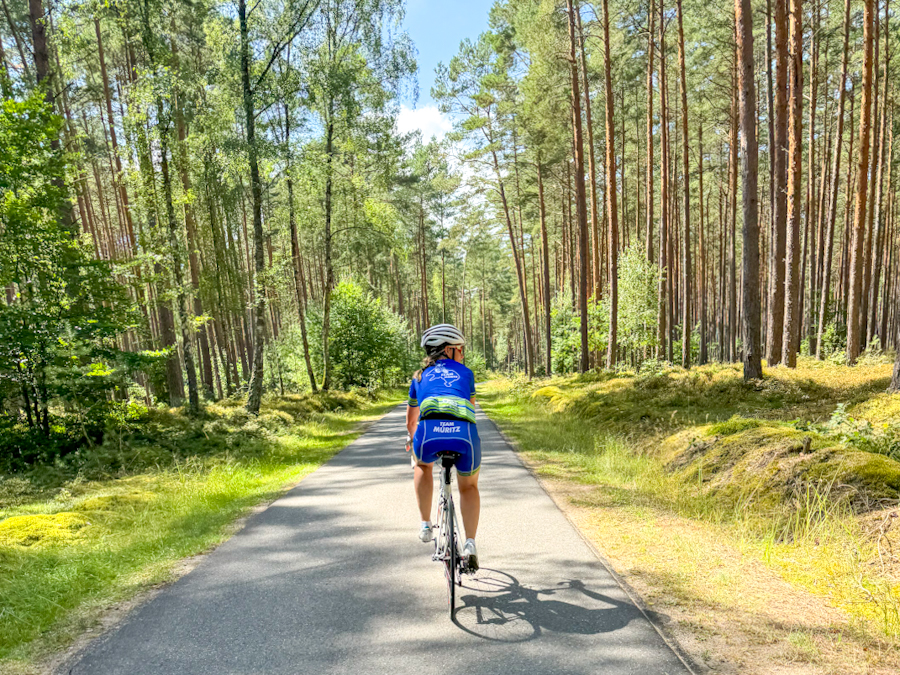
{"type": "Point", "coordinates": [506, 611]}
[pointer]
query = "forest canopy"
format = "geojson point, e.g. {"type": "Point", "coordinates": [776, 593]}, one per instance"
{"type": "Point", "coordinates": [202, 200]}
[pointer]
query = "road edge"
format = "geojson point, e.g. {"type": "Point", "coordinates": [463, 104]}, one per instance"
{"type": "Point", "coordinates": [670, 641]}
{"type": "Point", "coordinates": [111, 619]}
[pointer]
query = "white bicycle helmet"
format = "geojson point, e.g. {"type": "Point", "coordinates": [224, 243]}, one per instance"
{"type": "Point", "coordinates": [442, 335]}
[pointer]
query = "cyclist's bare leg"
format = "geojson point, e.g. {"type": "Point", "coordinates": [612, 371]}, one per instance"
{"type": "Point", "coordinates": [424, 484]}
{"type": "Point", "coordinates": [469, 503]}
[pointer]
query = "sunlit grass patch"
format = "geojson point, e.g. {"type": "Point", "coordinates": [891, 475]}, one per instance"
{"type": "Point", "coordinates": [41, 529]}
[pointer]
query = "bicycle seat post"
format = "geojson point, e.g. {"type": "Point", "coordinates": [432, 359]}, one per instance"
{"type": "Point", "coordinates": [448, 460]}
{"type": "Point", "coordinates": [447, 465]}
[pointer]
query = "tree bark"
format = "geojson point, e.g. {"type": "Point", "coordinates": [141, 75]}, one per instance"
{"type": "Point", "coordinates": [299, 282]}
{"type": "Point", "coordinates": [749, 183]}
{"type": "Point", "coordinates": [611, 197]}
{"type": "Point", "coordinates": [686, 329]}
{"type": "Point", "coordinates": [854, 301]}
{"type": "Point", "coordinates": [791, 331]}
{"type": "Point", "coordinates": [592, 170]}
{"type": "Point", "coordinates": [832, 191]}
{"type": "Point", "coordinates": [184, 316]}
{"type": "Point", "coordinates": [518, 262]}
{"type": "Point", "coordinates": [580, 206]}
{"type": "Point", "coordinates": [775, 319]}
{"type": "Point", "coordinates": [546, 258]}
{"type": "Point", "coordinates": [650, 186]}
{"type": "Point", "coordinates": [884, 158]}
{"type": "Point", "coordinates": [895, 379]}
{"type": "Point", "coordinates": [732, 221]}
{"type": "Point", "coordinates": [702, 289]}
{"type": "Point", "coordinates": [254, 397]}
{"type": "Point", "coordinates": [662, 314]}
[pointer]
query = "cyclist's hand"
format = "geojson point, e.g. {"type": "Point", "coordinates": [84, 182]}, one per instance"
{"type": "Point", "coordinates": [408, 442]}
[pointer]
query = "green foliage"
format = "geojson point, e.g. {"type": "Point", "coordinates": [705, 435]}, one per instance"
{"type": "Point", "coordinates": [564, 334]}
{"type": "Point", "coordinates": [63, 310]}
{"type": "Point", "coordinates": [862, 434]}
{"type": "Point", "coordinates": [369, 345]}
{"type": "Point", "coordinates": [834, 340]}
{"type": "Point", "coordinates": [638, 286]}
{"type": "Point", "coordinates": [476, 362]}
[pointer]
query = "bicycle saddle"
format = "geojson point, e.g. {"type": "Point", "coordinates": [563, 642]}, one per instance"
{"type": "Point", "coordinates": [448, 457]}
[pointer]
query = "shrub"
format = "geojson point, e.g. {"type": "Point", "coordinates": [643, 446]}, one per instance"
{"type": "Point", "coordinates": [369, 345]}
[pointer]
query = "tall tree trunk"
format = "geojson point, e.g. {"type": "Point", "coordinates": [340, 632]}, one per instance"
{"type": "Point", "coordinates": [685, 148]}
{"type": "Point", "coordinates": [46, 79]}
{"type": "Point", "coordinates": [206, 369]}
{"type": "Point", "coordinates": [875, 161]}
{"type": "Point", "coordinates": [882, 250]}
{"type": "Point", "coordinates": [34, 11]}
{"type": "Point", "coordinates": [580, 206]}
{"type": "Point", "coordinates": [702, 290]}
{"type": "Point", "coordinates": [299, 282]}
{"type": "Point", "coordinates": [775, 319]}
{"type": "Point", "coordinates": [329, 268]}
{"type": "Point", "coordinates": [662, 314]}
{"type": "Point", "coordinates": [808, 283]}
{"type": "Point", "coordinates": [854, 301]}
{"type": "Point", "coordinates": [770, 114]}
{"type": "Point", "coordinates": [118, 180]}
{"type": "Point", "coordinates": [791, 332]}
{"type": "Point", "coordinates": [833, 188]}
{"type": "Point", "coordinates": [884, 158]}
{"type": "Point", "coordinates": [546, 258]}
{"type": "Point", "coordinates": [254, 396]}
{"type": "Point", "coordinates": [750, 191]}
{"type": "Point", "coordinates": [611, 196]}
{"type": "Point", "coordinates": [895, 379]}
{"type": "Point", "coordinates": [592, 171]}
{"type": "Point", "coordinates": [516, 258]}
{"type": "Point", "coordinates": [184, 316]}
{"type": "Point", "coordinates": [649, 189]}
{"type": "Point", "coordinates": [732, 219]}
{"type": "Point", "coordinates": [163, 123]}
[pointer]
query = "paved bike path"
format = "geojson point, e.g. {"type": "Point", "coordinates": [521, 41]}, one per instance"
{"type": "Point", "coordinates": [330, 579]}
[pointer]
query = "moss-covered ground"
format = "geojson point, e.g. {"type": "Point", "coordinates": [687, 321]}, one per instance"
{"type": "Point", "coordinates": [78, 538]}
{"type": "Point", "coordinates": [725, 498]}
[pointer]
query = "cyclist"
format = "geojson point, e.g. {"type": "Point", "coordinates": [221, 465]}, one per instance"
{"type": "Point", "coordinates": [440, 415]}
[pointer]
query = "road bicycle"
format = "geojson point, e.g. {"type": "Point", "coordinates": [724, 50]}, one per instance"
{"type": "Point", "coordinates": [447, 548]}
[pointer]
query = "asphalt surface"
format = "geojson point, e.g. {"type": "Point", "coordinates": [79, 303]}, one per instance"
{"type": "Point", "coordinates": [331, 578]}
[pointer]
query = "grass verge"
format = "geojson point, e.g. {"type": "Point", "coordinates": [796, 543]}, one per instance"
{"type": "Point", "coordinates": [731, 507]}
{"type": "Point", "coordinates": [71, 546]}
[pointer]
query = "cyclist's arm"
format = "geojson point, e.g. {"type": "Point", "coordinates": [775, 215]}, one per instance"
{"type": "Point", "coordinates": [412, 419]}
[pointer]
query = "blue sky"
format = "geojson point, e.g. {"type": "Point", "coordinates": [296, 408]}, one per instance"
{"type": "Point", "coordinates": [437, 27]}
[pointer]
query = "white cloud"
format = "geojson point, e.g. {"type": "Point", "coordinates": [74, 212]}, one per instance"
{"type": "Point", "coordinates": [428, 119]}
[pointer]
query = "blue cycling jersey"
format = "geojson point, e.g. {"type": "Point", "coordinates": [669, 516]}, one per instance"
{"type": "Point", "coordinates": [446, 389]}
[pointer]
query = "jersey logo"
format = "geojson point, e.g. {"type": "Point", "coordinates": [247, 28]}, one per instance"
{"type": "Point", "coordinates": [449, 376]}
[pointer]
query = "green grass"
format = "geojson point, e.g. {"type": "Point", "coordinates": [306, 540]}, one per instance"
{"type": "Point", "coordinates": [71, 546]}
{"type": "Point", "coordinates": [741, 458]}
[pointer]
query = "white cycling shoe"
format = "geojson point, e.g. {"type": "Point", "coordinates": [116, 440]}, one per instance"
{"type": "Point", "coordinates": [470, 554]}
{"type": "Point", "coordinates": [426, 534]}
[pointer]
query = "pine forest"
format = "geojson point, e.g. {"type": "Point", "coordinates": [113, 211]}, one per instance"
{"type": "Point", "coordinates": [667, 228]}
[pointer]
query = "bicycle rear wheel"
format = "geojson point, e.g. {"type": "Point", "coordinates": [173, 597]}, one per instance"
{"type": "Point", "coordinates": [451, 560]}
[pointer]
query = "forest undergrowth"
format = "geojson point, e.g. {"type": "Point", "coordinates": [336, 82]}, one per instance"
{"type": "Point", "coordinates": [766, 510]}
{"type": "Point", "coordinates": [80, 535]}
